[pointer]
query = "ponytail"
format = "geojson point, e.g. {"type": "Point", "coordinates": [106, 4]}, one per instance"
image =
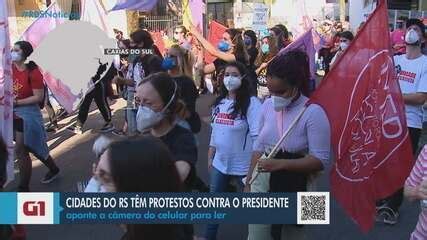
{"type": "Point", "coordinates": [31, 65]}
{"type": "Point", "coordinates": [180, 110]}
{"type": "Point", "coordinates": [27, 50]}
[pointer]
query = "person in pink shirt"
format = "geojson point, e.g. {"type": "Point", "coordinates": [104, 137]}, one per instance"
{"type": "Point", "coordinates": [398, 38]}
{"type": "Point", "coordinates": [416, 189]}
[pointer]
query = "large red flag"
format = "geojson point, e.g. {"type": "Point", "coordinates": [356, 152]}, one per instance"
{"type": "Point", "coordinates": [158, 40]}
{"type": "Point", "coordinates": [216, 30]}
{"type": "Point", "coordinates": [362, 99]}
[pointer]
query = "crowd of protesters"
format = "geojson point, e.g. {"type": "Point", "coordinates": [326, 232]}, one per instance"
{"type": "Point", "coordinates": [258, 95]}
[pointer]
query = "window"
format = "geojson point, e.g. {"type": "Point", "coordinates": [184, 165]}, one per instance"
{"type": "Point", "coordinates": [220, 12]}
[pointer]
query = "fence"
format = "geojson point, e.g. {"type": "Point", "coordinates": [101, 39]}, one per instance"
{"type": "Point", "coordinates": [394, 15]}
{"type": "Point", "coordinates": [159, 23]}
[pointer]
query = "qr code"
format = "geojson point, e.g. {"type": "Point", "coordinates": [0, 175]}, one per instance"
{"type": "Point", "coordinates": [313, 208]}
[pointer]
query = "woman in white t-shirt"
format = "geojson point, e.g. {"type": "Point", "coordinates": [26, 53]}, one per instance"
{"type": "Point", "coordinates": [235, 116]}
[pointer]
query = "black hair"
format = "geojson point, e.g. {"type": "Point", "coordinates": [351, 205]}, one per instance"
{"type": "Point", "coordinates": [144, 164]}
{"type": "Point", "coordinates": [166, 88]}
{"type": "Point", "coordinates": [183, 28]}
{"type": "Point", "coordinates": [279, 36]}
{"type": "Point", "coordinates": [297, 70]}
{"type": "Point", "coordinates": [27, 50]}
{"type": "Point", "coordinates": [152, 64]}
{"type": "Point", "coordinates": [3, 160]}
{"type": "Point", "coordinates": [284, 30]}
{"type": "Point", "coordinates": [252, 35]}
{"type": "Point", "coordinates": [402, 18]}
{"type": "Point", "coordinates": [243, 93]}
{"type": "Point", "coordinates": [347, 35]}
{"type": "Point", "coordinates": [239, 50]}
{"type": "Point", "coordinates": [144, 37]}
{"type": "Point", "coordinates": [126, 43]}
{"type": "Point", "coordinates": [418, 22]}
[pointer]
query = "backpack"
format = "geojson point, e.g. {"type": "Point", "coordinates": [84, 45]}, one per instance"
{"type": "Point", "coordinates": [42, 103]}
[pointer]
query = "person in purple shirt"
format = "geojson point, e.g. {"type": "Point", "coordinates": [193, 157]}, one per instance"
{"type": "Point", "coordinates": [306, 150]}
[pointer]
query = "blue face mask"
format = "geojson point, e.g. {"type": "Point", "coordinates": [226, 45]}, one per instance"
{"type": "Point", "coordinates": [223, 46]}
{"type": "Point", "coordinates": [168, 63]}
{"type": "Point", "coordinates": [265, 48]}
{"type": "Point", "coordinates": [248, 41]}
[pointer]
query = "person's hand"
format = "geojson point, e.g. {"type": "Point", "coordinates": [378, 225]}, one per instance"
{"type": "Point", "coordinates": [124, 62]}
{"type": "Point", "coordinates": [247, 188]}
{"type": "Point", "coordinates": [263, 65]}
{"type": "Point", "coordinates": [269, 165]}
{"type": "Point", "coordinates": [422, 190]}
{"type": "Point", "coordinates": [209, 164]}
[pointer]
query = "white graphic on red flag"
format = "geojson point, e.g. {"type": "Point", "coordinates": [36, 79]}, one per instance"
{"type": "Point", "coordinates": [363, 101]}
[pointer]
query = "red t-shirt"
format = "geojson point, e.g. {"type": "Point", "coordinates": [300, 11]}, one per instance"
{"type": "Point", "coordinates": [22, 85]}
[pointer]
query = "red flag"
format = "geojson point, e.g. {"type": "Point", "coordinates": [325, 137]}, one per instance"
{"type": "Point", "coordinates": [216, 30]}
{"type": "Point", "coordinates": [158, 41]}
{"type": "Point", "coordinates": [362, 99]}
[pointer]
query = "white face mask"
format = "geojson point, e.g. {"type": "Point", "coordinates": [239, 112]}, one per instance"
{"type": "Point", "coordinates": [94, 186]}
{"type": "Point", "coordinates": [16, 57]}
{"type": "Point", "coordinates": [147, 118]}
{"type": "Point", "coordinates": [232, 83]}
{"type": "Point", "coordinates": [280, 103]}
{"type": "Point", "coordinates": [343, 46]}
{"type": "Point", "coordinates": [412, 37]}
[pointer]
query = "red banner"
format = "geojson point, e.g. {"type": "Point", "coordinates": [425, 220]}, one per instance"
{"type": "Point", "coordinates": [216, 30]}
{"type": "Point", "coordinates": [362, 99]}
{"type": "Point", "coordinates": [158, 40]}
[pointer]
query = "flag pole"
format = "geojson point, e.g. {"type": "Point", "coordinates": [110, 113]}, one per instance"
{"type": "Point", "coordinates": [279, 143]}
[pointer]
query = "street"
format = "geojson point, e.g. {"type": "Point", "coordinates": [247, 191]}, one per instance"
{"type": "Point", "coordinates": [73, 153]}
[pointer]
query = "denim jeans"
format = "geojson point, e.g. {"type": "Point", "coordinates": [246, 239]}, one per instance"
{"type": "Point", "coordinates": [131, 113]}
{"type": "Point", "coordinates": [218, 183]}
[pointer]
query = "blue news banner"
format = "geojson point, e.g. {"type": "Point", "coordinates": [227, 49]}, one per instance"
{"type": "Point", "coordinates": [173, 208]}
{"type": "Point", "coordinates": [180, 208]}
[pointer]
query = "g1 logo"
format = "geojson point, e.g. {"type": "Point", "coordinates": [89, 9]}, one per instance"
{"type": "Point", "coordinates": [32, 208]}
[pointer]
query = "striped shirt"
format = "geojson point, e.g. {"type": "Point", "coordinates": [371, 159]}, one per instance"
{"type": "Point", "coordinates": [415, 178]}
{"type": "Point", "coordinates": [311, 133]}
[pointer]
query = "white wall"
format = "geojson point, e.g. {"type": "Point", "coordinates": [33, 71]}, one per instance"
{"type": "Point", "coordinates": [358, 13]}
{"type": "Point", "coordinates": [289, 11]}
{"type": "Point", "coordinates": [116, 19]}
